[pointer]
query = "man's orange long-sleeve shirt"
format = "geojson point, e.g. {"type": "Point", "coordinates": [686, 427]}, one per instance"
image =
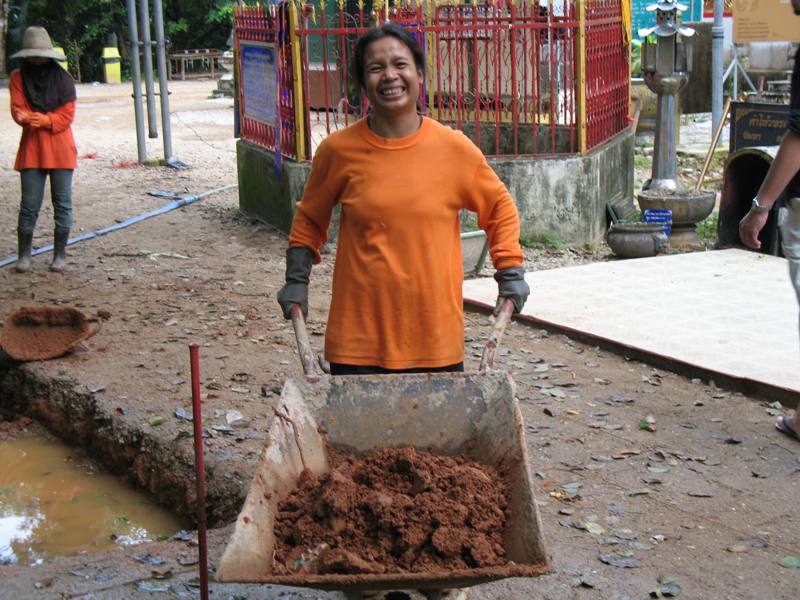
{"type": "Point", "coordinates": [397, 299]}
{"type": "Point", "coordinates": [52, 148]}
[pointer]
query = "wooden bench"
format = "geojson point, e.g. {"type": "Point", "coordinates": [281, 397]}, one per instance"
{"type": "Point", "coordinates": [194, 64]}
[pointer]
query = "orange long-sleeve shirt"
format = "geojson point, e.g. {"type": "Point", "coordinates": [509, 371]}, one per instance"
{"type": "Point", "coordinates": [397, 299]}
{"type": "Point", "coordinates": [39, 148]}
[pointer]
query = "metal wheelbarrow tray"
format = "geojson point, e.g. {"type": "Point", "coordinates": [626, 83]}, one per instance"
{"type": "Point", "coordinates": [444, 413]}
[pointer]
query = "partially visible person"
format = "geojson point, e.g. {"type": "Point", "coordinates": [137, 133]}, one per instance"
{"type": "Point", "coordinates": [43, 104]}
{"type": "Point", "coordinates": [783, 174]}
{"type": "Point", "coordinates": [401, 180]}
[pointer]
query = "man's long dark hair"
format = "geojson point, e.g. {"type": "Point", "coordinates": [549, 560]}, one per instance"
{"type": "Point", "coordinates": [376, 33]}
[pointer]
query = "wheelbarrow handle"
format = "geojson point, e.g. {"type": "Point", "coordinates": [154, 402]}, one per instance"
{"type": "Point", "coordinates": [308, 357]}
{"type": "Point", "coordinates": [489, 350]}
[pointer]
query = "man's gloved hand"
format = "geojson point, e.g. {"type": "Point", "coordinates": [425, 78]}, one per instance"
{"type": "Point", "coordinates": [298, 270]}
{"type": "Point", "coordinates": [511, 284]}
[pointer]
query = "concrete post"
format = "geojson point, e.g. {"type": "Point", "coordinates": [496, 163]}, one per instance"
{"type": "Point", "coordinates": [717, 63]}
{"type": "Point", "coordinates": [136, 76]}
{"type": "Point", "coordinates": [147, 56]}
{"type": "Point", "coordinates": [161, 56]}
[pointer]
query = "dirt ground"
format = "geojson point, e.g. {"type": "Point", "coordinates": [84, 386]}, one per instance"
{"type": "Point", "coordinates": [647, 482]}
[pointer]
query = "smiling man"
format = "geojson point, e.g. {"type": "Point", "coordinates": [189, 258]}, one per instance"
{"type": "Point", "coordinates": [783, 175]}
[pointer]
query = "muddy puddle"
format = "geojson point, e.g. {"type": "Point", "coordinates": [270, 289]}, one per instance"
{"type": "Point", "coordinates": [55, 502]}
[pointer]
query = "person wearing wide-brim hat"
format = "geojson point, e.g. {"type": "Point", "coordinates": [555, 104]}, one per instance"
{"type": "Point", "coordinates": [43, 104]}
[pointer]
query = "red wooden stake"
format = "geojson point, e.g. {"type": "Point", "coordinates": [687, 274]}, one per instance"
{"type": "Point", "coordinates": [197, 419]}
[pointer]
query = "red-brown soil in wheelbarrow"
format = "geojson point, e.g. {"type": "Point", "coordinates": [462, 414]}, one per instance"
{"type": "Point", "coordinates": [393, 511]}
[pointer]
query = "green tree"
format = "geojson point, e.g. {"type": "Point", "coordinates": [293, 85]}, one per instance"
{"type": "Point", "coordinates": [81, 27]}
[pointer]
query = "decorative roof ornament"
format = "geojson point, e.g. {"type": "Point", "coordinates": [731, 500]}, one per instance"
{"type": "Point", "coordinates": [668, 22]}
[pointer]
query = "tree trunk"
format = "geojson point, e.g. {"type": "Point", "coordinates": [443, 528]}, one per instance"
{"type": "Point", "coordinates": [3, 29]}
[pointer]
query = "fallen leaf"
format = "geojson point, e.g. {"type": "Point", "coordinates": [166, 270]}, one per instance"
{"type": "Point", "coordinates": [647, 424]}
{"type": "Point", "coordinates": [583, 581]}
{"type": "Point", "coordinates": [790, 562]}
{"type": "Point", "coordinates": [182, 413]}
{"type": "Point", "coordinates": [639, 492]}
{"type": "Point", "coordinates": [594, 528]}
{"type": "Point", "coordinates": [153, 588]}
{"type": "Point", "coordinates": [623, 534]}
{"type": "Point", "coordinates": [617, 560]}
{"type": "Point", "coordinates": [150, 559]}
{"type": "Point", "coordinates": [161, 574]}
{"type": "Point", "coordinates": [700, 494]}
{"type": "Point", "coordinates": [666, 589]}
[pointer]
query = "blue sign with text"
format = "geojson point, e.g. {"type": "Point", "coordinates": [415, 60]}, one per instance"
{"type": "Point", "coordinates": [652, 215]}
{"type": "Point", "coordinates": [259, 81]}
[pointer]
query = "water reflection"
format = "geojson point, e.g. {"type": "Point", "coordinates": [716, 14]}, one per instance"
{"type": "Point", "coordinates": [54, 502]}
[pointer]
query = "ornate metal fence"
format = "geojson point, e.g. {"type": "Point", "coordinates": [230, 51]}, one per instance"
{"type": "Point", "coordinates": [607, 71]}
{"type": "Point", "coordinates": [519, 77]}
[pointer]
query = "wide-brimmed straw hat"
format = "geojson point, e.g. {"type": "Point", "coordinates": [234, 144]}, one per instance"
{"type": "Point", "coordinates": [36, 42]}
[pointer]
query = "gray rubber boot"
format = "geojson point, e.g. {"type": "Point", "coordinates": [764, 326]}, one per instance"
{"type": "Point", "coordinates": [60, 238]}
{"type": "Point", "coordinates": [24, 244]}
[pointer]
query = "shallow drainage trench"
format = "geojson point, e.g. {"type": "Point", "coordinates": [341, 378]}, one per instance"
{"type": "Point", "coordinates": [54, 501]}
{"type": "Point", "coordinates": [160, 465]}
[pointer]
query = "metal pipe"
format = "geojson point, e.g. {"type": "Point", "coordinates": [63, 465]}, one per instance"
{"type": "Point", "coordinates": [158, 22]}
{"type": "Point", "coordinates": [136, 76]}
{"type": "Point", "coordinates": [197, 419]}
{"type": "Point", "coordinates": [147, 57]}
{"type": "Point", "coordinates": [717, 65]}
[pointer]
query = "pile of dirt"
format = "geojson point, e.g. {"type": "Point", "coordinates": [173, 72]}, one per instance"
{"type": "Point", "coordinates": [393, 511]}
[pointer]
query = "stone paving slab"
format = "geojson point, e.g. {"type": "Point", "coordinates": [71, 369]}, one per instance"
{"type": "Point", "coordinates": [730, 312]}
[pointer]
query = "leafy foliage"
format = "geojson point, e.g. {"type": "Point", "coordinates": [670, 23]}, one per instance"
{"type": "Point", "coordinates": [82, 27]}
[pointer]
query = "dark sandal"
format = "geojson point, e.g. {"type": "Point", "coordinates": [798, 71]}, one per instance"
{"type": "Point", "coordinates": [782, 426]}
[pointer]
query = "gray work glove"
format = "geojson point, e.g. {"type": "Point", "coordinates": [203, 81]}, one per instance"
{"type": "Point", "coordinates": [298, 270]}
{"type": "Point", "coordinates": [511, 284]}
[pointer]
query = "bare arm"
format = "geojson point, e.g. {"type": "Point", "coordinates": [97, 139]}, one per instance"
{"type": "Point", "coordinates": [785, 166]}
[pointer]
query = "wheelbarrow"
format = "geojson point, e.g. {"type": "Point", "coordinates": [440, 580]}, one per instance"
{"type": "Point", "coordinates": [444, 413]}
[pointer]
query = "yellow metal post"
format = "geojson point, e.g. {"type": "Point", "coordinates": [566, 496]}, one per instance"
{"type": "Point", "coordinates": [581, 5]}
{"type": "Point", "coordinates": [111, 65]}
{"type": "Point", "coordinates": [62, 63]}
{"type": "Point", "coordinates": [297, 80]}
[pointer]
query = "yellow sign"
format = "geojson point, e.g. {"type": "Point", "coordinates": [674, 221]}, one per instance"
{"type": "Point", "coordinates": [765, 21]}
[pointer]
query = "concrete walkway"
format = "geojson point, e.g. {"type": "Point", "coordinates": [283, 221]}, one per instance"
{"type": "Point", "coordinates": [729, 314]}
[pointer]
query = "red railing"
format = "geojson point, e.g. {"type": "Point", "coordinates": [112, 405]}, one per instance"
{"type": "Point", "coordinates": [504, 71]}
{"type": "Point", "coordinates": [268, 24]}
{"type": "Point", "coordinates": [607, 76]}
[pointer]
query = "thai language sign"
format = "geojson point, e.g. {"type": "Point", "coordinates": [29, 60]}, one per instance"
{"type": "Point", "coordinates": [757, 124]}
{"type": "Point", "coordinates": [259, 81]}
{"type": "Point", "coordinates": [765, 21]}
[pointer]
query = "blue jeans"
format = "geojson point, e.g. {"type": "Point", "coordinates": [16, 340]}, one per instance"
{"type": "Point", "coordinates": [790, 236]}
{"type": "Point", "coordinates": [33, 181]}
